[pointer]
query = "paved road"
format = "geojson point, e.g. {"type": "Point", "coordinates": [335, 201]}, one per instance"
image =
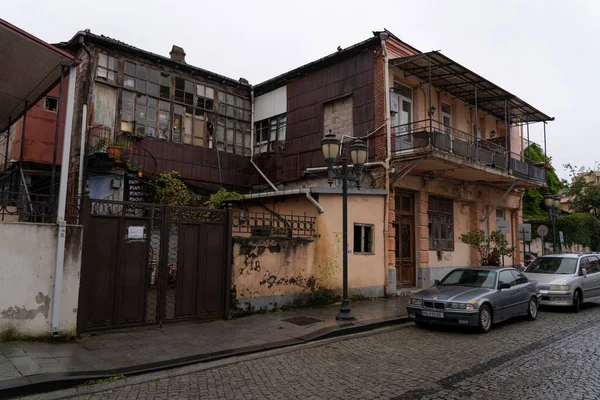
{"type": "Point", "coordinates": [555, 357]}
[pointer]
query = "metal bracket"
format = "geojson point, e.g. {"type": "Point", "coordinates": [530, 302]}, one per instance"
{"type": "Point", "coordinates": [404, 169]}
{"type": "Point", "coordinates": [430, 176]}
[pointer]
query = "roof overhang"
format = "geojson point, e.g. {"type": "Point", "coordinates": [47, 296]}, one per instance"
{"type": "Point", "coordinates": [462, 83]}
{"type": "Point", "coordinates": [30, 67]}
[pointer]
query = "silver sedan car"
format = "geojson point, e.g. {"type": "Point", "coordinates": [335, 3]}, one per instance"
{"type": "Point", "coordinates": [477, 297]}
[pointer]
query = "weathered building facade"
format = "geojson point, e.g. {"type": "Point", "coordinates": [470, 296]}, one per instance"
{"type": "Point", "coordinates": [444, 157]}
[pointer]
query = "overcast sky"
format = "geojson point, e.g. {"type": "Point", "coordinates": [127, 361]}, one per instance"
{"type": "Point", "coordinates": [544, 51]}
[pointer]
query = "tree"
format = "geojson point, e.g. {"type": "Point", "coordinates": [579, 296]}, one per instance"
{"type": "Point", "coordinates": [488, 255]}
{"type": "Point", "coordinates": [584, 191]}
{"type": "Point", "coordinates": [533, 200]}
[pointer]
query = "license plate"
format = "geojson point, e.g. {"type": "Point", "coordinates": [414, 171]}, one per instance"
{"type": "Point", "coordinates": [434, 314]}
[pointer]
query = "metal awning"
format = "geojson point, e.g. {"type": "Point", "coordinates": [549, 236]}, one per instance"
{"type": "Point", "coordinates": [30, 67]}
{"type": "Point", "coordinates": [467, 86]}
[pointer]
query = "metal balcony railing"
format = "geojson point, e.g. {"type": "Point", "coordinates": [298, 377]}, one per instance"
{"type": "Point", "coordinates": [429, 135]}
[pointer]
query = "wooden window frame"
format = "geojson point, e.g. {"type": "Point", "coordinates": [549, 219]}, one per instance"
{"type": "Point", "coordinates": [440, 214]}
{"type": "Point", "coordinates": [362, 241]}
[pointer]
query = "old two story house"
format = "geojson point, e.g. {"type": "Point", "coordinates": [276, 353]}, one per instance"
{"type": "Point", "coordinates": [444, 157]}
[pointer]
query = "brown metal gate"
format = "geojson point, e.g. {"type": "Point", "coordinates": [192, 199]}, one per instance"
{"type": "Point", "coordinates": [150, 263]}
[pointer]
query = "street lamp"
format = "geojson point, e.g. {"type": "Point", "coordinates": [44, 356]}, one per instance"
{"type": "Point", "coordinates": [358, 153]}
{"type": "Point", "coordinates": [552, 203]}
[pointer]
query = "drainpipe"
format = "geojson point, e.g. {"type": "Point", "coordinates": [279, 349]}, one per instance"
{"type": "Point", "coordinates": [82, 149]}
{"type": "Point", "coordinates": [252, 144]}
{"type": "Point", "coordinates": [62, 201]}
{"type": "Point", "coordinates": [386, 72]}
{"type": "Point", "coordinates": [314, 202]}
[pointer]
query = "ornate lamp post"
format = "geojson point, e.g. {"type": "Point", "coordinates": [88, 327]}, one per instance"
{"type": "Point", "coordinates": [358, 153]}
{"type": "Point", "coordinates": [552, 203]}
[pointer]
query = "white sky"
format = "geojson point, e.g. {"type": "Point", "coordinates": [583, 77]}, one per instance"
{"type": "Point", "coordinates": [544, 51]}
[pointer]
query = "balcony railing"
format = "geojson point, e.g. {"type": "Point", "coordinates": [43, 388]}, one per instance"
{"type": "Point", "coordinates": [429, 135]}
{"type": "Point", "coordinates": [37, 208]}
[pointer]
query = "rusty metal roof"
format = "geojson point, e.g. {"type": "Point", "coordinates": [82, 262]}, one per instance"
{"type": "Point", "coordinates": [30, 68]}
{"type": "Point", "coordinates": [462, 83]}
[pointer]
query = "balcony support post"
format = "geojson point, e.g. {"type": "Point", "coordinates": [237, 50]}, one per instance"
{"type": "Point", "coordinates": [506, 135]}
{"type": "Point", "coordinates": [545, 154]}
{"type": "Point", "coordinates": [528, 144]}
{"type": "Point", "coordinates": [429, 87]}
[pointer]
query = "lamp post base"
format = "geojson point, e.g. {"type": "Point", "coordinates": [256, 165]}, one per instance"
{"type": "Point", "coordinates": [345, 312]}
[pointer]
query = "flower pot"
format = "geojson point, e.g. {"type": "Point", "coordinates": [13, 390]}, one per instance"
{"type": "Point", "coordinates": [113, 152]}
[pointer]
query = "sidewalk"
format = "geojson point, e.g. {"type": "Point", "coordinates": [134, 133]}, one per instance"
{"type": "Point", "coordinates": [151, 348]}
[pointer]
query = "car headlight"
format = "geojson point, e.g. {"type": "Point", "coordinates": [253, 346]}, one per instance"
{"type": "Point", "coordinates": [461, 306]}
{"type": "Point", "coordinates": [416, 302]}
{"type": "Point", "coordinates": [559, 287]}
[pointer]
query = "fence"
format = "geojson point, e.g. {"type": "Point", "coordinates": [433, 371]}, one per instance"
{"type": "Point", "coordinates": [37, 208]}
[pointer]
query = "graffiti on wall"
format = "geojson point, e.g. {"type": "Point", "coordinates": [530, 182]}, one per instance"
{"type": "Point", "coordinates": [330, 268]}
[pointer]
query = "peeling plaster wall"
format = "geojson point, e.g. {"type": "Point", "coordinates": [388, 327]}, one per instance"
{"type": "Point", "coordinates": [28, 254]}
{"type": "Point", "coordinates": [269, 271]}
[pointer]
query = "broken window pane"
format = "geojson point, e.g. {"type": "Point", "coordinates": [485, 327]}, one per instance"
{"type": "Point", "coordinates": [140, 115]}
{"type": "Point", "coordinates": [165, 85]}
{"type": "Point", "coordinates": [163, 120]}
{"type": "Point", "coordinates": [107, 68]}
{"type": "Point", "coordinates": [177, 123]}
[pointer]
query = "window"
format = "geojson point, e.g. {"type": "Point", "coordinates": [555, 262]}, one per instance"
{"type": "Point", "coordinates": [403, 203]}
{"type": "Point", "coordinates": [594, 265]}
{"type": "Point", "coordinates": [506, 277]}
{"type": "Point", "coordinates": [363, 239]}
{"type": "Point", "coordinates": [165, 85]}
{"type": "Point", "coordinates": [205, 97]}
{"type": "Point", "coordinates": [519, 277]}
{"type": "Point", "coordinates": [269, 133]}
{"type": "Point", "coordinates": [50, 104]}
{"type": "Point", "coordinates": [471, 278]}
{"type": "Point", "coordinates": [164, 112]}
{"type": "Point", "coordinates": [441, 229]}
{"type": "Point", "coordinates": [107, 68]}
{"type": "Point", "coordinates": [140, 114]}
{"type": "Point", "coordinates": [177, 123]}
{"type": "Point", "coordinates": [127, 111]}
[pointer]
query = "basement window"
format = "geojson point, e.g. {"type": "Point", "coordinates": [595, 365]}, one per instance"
{"type": "Point", "coordinates": [363, 239]}
{"type": "Point", "coordinates": [50, 104]}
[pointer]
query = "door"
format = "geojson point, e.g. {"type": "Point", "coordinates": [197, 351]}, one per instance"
{"type": "Point", "coordinates": [505, 307]}
{"type": "Point", "coordinates": [405, 240]}
{"type": "Point", "coordinates": [591, 281]}
{"type": "Point", "coordinates": [522, 296]}
{"type": "Point", "coordinates": [403, 118]}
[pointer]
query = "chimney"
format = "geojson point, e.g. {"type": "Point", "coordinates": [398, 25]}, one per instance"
{"type": "Point", "coordinates": [177, 54]}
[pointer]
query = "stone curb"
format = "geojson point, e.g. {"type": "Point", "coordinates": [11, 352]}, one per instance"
{"type": "Point", "coordinates": [41, 383]}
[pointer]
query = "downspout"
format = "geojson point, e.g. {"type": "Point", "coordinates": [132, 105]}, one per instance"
{"type": "Point", "coordinates": [62, 201]}
{"type": "Point", "coordinates": [82, 150]}
{"type": "Point", "coordinates": [386, 73]}
{"type": "Point", "coordinates": [252, 144]}
{"type": "Point", "coordinates": [314, 202]}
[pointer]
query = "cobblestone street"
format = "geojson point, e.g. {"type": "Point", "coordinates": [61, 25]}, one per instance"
{"type": "Point", "coordinates": [555, 357]}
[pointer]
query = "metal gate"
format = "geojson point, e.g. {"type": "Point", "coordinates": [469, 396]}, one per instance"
{"type": "Point", "coordinates": [151, 263]}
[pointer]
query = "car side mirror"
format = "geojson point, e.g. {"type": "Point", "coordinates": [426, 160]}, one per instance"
{"type": "Point", "coordinates": [504, 286]}
{"type": "Point", "coordinates": [436, 282]}
{"type": "Point", "coordinates": [583, 271]}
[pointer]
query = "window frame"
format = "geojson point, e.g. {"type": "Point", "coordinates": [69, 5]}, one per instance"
{"type": "Point", "coordinates": [46, 98]}
{"type": "Point", "coordinates": [432, 214]}
{"type": "Point", "coordinates": [509, 272]}
{"type": "Point", "coordinates": [112, 67]}
{"type": "Point", "coordinates": [275, 136]}
{"type": "Point", "coordinates": [363, 251]}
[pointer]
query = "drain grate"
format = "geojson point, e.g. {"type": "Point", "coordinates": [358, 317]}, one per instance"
{"type": "Point", "coordinates": [302, 321]}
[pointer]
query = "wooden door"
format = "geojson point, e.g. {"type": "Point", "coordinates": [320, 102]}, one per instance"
{"type": "Point", "coordinates": [405, 240]}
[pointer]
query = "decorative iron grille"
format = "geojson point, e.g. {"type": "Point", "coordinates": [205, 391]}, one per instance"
{"type": "Point", "coordinates": [36, 208]}
{"type": "Point", "coordinates": [267, 224]}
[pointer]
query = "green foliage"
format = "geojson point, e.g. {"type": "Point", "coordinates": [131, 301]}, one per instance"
{"type": "Point", "coordinates": [217, 199]}
{"type": "Point", "coordinates": [533, 199]}
{"type": "Point", "coordinates": [489, 248]}
{"type": "Point", "coordinates": [585, 192]}
{"type": "Point", "coordinates": [578, 228]}
{"type": "Point", "coordinates": [171, 190]}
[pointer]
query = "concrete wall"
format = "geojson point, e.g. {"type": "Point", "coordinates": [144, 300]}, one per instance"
{"type": "Point", "coordinates": [269, 271]}
{"type": "Point", "coordinates": [28, 254]}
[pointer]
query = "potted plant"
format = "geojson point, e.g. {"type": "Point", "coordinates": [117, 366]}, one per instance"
{"type": "Point", "coordinates": [100, 145]}
{"type": "Point", "coordinates": [113, 150]}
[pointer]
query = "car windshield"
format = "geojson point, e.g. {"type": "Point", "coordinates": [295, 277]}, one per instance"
{"type": "Point", "coordinates": [553, 265]}
{"type": "Point", "coordinates": [471, 278]}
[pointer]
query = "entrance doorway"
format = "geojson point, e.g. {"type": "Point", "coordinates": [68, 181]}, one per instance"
{"type": "Point", "coordinates": [405, 240]}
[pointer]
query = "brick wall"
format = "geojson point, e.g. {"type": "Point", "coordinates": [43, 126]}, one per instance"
{"type": "Point", "coordinates": [379, 97]}
{"type": "Point", "coordinates": [337, 117]}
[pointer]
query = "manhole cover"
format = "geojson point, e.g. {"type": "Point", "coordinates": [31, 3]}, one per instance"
{"type": "Point", "coordinates": [302, 321]}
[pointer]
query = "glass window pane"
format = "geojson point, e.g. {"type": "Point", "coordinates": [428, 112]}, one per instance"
{"type": "Point", "coordinates": [230, 99]}
{"type": "Point", "coordinates": [200, 90]}
{"type": "Point", "coordinates": [102, 60]}
{"type": "Point", "coordinates": [140, 85]}
{"type": "Point", "coordinates": [210, 93]}
{"type": "Point", "coordinates": [357, 238]}
{"type": "Point", "coordinates": [189, 87]}
{"type": "Point", "coordinates": [129, 68]}
{"type": "Point", "coordinates": [153, 89]}
{"type": "Point", "coordinates": [140, 72]}
{"type": "Point", "coordinates": [165, 79]}
{"type": "Point", "coordinates": [128, 82]}
{"type": "Point", "coordinates": [154, 76]}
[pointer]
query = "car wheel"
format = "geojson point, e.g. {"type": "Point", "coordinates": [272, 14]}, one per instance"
{"type": "Point", "coordinates": [532, 310]}
{"type": "Point", "coordinates": [485, 319]}
{"type": "Point", "coordinates": [576, 301]}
